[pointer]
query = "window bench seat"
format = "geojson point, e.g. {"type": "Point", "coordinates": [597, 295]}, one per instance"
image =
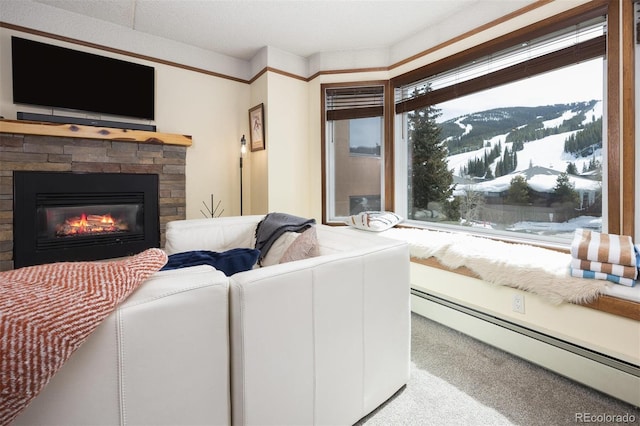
{"type": "Point", "coordinates": [532, 269]}
{"type": "Point", "coordinates": [615, 303]}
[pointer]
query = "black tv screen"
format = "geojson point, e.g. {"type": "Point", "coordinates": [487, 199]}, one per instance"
{"type": "Point", "coordinates": [53, 76]}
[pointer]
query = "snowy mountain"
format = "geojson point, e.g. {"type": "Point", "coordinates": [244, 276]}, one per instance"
{"type": "Point", "coordinates": [540, 161]}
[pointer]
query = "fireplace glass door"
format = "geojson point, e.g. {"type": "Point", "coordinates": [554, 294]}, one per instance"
{"type": "Point", "coordinates": [83, 216]}
{"type": "Point", "coordinates": [89, 224]}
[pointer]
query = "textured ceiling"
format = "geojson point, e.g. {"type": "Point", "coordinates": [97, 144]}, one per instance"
{"type": "Point", "coordinates": [240, 28]}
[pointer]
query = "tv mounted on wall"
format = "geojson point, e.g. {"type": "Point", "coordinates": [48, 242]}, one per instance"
{"type": "Point", "coordinates": [57, 77]}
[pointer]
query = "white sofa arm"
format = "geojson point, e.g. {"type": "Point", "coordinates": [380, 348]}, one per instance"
{"type": "Point", "coordinates": [161, 358]}
{"type": "Point", "coordinates": [323, 340]}
{"type": "Point", "coordinates": [217, 234]}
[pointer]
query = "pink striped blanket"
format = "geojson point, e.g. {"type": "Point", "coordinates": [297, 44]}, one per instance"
{"type": "Point", "coordinates": [48, 311]}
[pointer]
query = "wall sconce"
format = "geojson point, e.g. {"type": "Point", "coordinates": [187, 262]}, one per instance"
{"type": "Point", "coordinates": [243, 152]}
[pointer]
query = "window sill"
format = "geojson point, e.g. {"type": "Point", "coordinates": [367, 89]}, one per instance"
{"type": "Point", "coordinates": [559, 244]}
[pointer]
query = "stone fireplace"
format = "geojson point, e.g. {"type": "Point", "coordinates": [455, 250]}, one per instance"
{"type": "Point", "coordinates": [45, 153]}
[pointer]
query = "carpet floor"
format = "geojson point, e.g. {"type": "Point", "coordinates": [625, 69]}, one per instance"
{"type": "Point", "coordinates": [457, 380]}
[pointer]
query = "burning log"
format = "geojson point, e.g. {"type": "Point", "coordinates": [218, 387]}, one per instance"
{"type": "Point", "coordinates": [90, 224]}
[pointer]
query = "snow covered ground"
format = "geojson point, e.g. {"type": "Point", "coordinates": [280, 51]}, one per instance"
{"type": "Point", "coordinates": [562, 229]}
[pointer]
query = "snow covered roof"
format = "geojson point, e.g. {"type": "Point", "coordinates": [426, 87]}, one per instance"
{"type": "Point", "coordinates": [540, 179]}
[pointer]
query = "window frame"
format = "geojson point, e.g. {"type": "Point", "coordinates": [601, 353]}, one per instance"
{"type": "Point", "coordinates": [387, 151]}
{"type": "Point", "coordinates": [619, 198]}
{"type": "Point", "coordinates": [617, 220]}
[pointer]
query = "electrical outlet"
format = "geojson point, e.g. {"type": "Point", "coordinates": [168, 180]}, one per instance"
{"type": "Point", "coordinates": [517, 303]}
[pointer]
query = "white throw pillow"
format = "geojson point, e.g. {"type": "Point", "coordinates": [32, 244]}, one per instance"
{"type": "Point", "coordinates": [278, 248]}
{"type": "Point", "coordinates": [303, 247]}
{"type": "Point", "coordinates": [374, 221]}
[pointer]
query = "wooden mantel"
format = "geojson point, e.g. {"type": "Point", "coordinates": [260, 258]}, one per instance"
{"type": "Point", "coordinates": [91, 132]}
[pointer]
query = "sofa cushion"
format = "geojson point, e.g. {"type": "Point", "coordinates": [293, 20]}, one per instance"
{"type": "Point", "coordinates": [229, 262]}
{"type": "Point", "coordinates": [374, 220]}
{"type": "Point", "coordinates": [303, 247]}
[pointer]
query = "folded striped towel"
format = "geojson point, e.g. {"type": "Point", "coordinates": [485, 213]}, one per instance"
{"type": "Point", "coordinates": [581, 273]}
{"type": "Point", "coordinates": [598, 247]}
{"type": "Point", "coordinates": [607, 268]}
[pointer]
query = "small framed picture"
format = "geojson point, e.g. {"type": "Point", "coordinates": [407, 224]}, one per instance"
{"type": "Point", "coordinates": [256, 124]}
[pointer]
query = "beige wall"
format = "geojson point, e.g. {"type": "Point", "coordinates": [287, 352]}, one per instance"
{"type": "Point", "coordinates": [257, 193]}
{"type": "Point", "coordinates": [288, 150]}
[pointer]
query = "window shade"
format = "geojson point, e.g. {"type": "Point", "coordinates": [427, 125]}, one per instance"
{"type": "Point", "coordinates": [569, 46]}
{"type": "Point", "coordinates": [354, 102]}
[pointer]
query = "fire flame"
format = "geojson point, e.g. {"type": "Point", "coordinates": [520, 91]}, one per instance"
{"type": "Point", "coordinates": [90, 224]}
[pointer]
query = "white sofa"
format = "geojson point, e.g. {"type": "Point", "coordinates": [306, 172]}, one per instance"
{"type": "Point", "coordinates": [319, 341]}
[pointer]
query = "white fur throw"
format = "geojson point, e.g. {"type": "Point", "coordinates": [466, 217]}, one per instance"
{"type": "Point", "coordinates": [534, 269]}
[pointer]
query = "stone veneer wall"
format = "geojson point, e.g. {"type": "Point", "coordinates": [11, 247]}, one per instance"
{"type": "Point", "coordinates": [50, 153]}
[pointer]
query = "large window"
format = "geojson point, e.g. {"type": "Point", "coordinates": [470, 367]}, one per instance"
{"type": "Point", "coordinates": [354, 137]}
{"type": "Point", "coordinates": [511, 142]}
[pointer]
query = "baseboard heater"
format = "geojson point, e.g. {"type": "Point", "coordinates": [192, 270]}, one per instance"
{"type": "Point", "coordinates": [468, 320]}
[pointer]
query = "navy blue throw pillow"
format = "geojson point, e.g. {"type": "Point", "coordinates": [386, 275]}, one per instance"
{"type": "Point", "coordinates": [229, 262]}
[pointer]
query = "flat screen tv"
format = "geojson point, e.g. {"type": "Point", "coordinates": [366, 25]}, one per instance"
{"type": "Point", "coordinates": [57, 77]}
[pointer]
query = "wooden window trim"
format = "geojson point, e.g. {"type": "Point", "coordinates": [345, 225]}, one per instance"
{"type": "Point", "coordinates": [554, 23]}
{"type": "Point", "coordinates": [628, 118]}
{"type": "Point", "coordinates": [620, 115]}
{"type": "Point", "coordinates": [387, 142]}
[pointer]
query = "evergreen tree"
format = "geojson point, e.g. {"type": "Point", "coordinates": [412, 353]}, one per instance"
{"type": "Point", "coordinates": [565, 199]}
{"type": "Point", "coordinates": [430, 178]}
{"type": "Point", "coordinates": [594, 165]}
{"type": "Point", "coordinates": [489, 174]}
{"type": "Point", "coordinates": [518, 191]}
{"type": "Point", "coordinates": [572, 169]}
{"type": "Point", "coordinates": [507, 163]}
{"type": "Point", "coordinates": [564, 191]}
{"type": "Point", "coordinates": [584, 142]}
